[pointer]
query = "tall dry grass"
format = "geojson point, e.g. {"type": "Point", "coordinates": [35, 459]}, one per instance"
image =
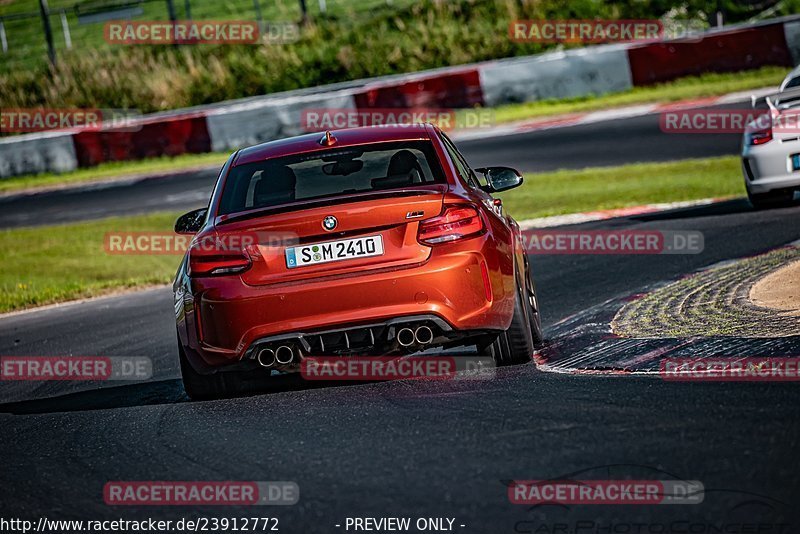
{"type": "Point", "coordinates": [428, 34]}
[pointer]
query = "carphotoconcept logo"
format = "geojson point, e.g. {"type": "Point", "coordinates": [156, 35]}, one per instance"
{"type": "Point", "coordinates": [565, 503]}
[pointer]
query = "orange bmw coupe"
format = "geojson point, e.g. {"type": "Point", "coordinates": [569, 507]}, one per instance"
{"type": "Point", "coordinates": [363, 241]}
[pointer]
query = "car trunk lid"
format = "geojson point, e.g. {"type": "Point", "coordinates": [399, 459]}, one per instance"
{"type": "Point", "coordinates": [392, 217]}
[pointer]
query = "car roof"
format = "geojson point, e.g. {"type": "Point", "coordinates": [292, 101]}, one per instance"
{"type": "Point", "coordinates": [344, 137]}
{"type": "Point", "coordinates": [794, 73]}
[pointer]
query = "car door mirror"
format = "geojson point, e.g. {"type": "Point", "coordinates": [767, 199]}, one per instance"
{"type": "Point", "coordinates": [192, 222]}
{"type": "Point", "coordinates": [500, 178]}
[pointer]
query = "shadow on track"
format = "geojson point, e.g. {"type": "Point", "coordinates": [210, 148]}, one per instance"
{"type": "Point", "coordinates": [148, 393]}
{"type": "Point", "coordinates": [153, 393]}
{"type": "Point", "coordinates": [727, 207]}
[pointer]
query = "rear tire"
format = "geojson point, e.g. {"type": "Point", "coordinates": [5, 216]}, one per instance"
{"type": "Point", "coordinates": [207, 387]}
{"type": "Point", "coordinates": [773, 199]}
{"type": "Point", "coordinates": [515, 345]}
{"type": "Point", "coordinates": [532, 301]}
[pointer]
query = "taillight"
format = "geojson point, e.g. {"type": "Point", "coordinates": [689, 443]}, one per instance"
{"type": "Point", "coordinates": [210, 257]}
{"type": "Point", "coordinates": [456, 222]}
{"type": "Point", "coordinates": [760, 137]}
{"type": "Point", "coordinates": [760, 130]}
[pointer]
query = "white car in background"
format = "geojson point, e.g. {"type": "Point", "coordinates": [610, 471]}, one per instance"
{"type": "Point", "coordinates": [771, 148]}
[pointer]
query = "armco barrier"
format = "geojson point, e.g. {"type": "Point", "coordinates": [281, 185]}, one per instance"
{"type": "Point", "coordinates": [160, 137]}
{"type": "Point", "coordinates": [456, 89]}
{"type": "Point", "coordinates": [572, 73]}
{"type": "Point", "coordinates": [254, 122]}
{"type": "Point", "coordinates": [741, 49]}
{"type": "Point", "coordinates": [37, 153]}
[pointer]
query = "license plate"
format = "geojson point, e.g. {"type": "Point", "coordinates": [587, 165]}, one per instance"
{"type": "Point", "coordinates": [795, 162]}
{"type": "Point", "coordinates": [344, 249]}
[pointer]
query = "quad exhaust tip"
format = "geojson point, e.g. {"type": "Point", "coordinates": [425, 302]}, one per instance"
{"type": "Point", "coordinates": [284, 354]}
{"type": "Point", "coordinates": [405, 336]}
{"type": "Point", "coordinates": [266, 357]}
{"type": "Point", "coordinates": [281, 356]}
{"type": "Point", "coordinates": [423, 335]}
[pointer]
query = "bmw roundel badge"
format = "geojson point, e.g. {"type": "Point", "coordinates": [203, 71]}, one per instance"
{"type": "Point", "coordinates": [329, 222]}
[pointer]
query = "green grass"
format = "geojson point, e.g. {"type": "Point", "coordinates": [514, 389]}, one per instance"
{"type": "Point", "coordinates": [568, 191]}
{"type": "Point", "coordinates": [706, 85]}
{"type": "Point", "coordinates": [65, 262]}
{"type": "Point", "coordinates": [114, 170]}
{"type": "Point", "coordinates": [27, 46]}
{"type": "Point", "coordinates": [356, 39]}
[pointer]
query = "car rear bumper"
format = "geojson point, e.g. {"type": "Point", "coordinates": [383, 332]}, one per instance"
{"type": "Point", "coordinates": [768, 167]}
{"type": "Point", "coordinates": [468, 288]}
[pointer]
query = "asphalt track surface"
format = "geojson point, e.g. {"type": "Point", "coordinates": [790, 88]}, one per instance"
{"type": "Point", "coordinates": [417, 448]}
{"type": "Point", "coordinates": [411, 448]}
{"type": "Point", "coordinates": [613, 142]}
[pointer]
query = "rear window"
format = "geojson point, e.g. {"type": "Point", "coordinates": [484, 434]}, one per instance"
{"type": "Point", "coordinates": [328, 173]}
{"type": "Point", "coordinates": [794, 82]}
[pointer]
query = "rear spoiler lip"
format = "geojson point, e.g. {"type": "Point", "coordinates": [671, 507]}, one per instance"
{"type": "Point", "coordinates": [440, 188]}
{"type": "Point", "coordinates": [771, 98]}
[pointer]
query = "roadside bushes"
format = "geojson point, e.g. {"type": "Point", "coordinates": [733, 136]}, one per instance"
{"type": "Point", "coordinates": [386, 40]}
